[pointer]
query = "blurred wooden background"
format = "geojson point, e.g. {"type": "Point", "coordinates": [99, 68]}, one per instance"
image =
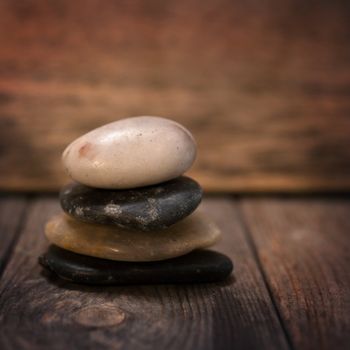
{"type": "Point", "coordinates": [263, 85]}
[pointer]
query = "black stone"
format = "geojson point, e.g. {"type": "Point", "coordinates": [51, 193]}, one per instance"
{"type": "Point", "coordinates": [197, 266]}
{"type": "Point", "coordinates": [145, 208]}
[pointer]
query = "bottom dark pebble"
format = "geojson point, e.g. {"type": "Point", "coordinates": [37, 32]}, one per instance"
{"type": "Point", "coordinates": [197, 266]}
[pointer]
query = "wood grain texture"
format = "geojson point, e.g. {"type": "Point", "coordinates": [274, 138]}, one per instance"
{"type": "Point", "coordinates": [303, 247]}
{"type": "Point", "coordinates": [263, 86]}
{"type": "Point", "coordinates": [12, 212]}
{"type": "Point", "coordinates": [37, 312]}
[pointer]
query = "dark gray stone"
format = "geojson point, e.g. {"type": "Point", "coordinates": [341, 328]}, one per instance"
{"type": "Point", "coordinates": [197, 266]}
{"type": "Point", "coordinates": [145, 208]}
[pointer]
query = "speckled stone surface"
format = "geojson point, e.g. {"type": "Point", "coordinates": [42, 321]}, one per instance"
{"type": "Point", "coordinates": [197, 266]}
{"type": "Point", "coordinates": [131, 152]}
{"type": "Point", "coordinates": [114, 243]}
{"type": "Point", "coordinates": [147, 208]}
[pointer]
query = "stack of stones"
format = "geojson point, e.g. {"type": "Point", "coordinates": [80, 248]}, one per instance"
{"type": "Point", "coordinates": [129, 214]}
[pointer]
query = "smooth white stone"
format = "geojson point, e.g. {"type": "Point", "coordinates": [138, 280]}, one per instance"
{"type": "Point", "coordinates": [130, 153]}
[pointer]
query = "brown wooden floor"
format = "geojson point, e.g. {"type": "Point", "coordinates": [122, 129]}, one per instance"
{"type": "Point", "coordinates": [290, 289]}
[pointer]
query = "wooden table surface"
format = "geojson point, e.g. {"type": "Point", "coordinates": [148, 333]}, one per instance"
{"type": "Point", "coordinates": [290, 288]}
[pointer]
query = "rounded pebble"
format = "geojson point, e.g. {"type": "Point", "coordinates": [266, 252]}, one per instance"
{"type": "Point", "coordinates": [111, 242]}
{"type": "Point", "coordinates": [146, 208]}
{"type": "Point", "coordinates": [197, 266]}
{"type": "Point", "coordinates": [129, 153]}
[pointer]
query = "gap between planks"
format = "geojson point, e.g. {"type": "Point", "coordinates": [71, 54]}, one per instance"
{"type": "Point", "coordinates": [13, 210]}
{"type": "Point", "coordinates": [251, 243]}
{"type": "Point", "coordinates": [302, 246]}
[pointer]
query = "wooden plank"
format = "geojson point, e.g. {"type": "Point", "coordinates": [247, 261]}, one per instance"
{"type": "Point", "coordinates": [41, 313]}
{"type": "Point", "coordinates": [12, 213]}
{"type": "Point", "coordinates": [264, 86]}
{"type": "Point", "coordinates": [303, 247]}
